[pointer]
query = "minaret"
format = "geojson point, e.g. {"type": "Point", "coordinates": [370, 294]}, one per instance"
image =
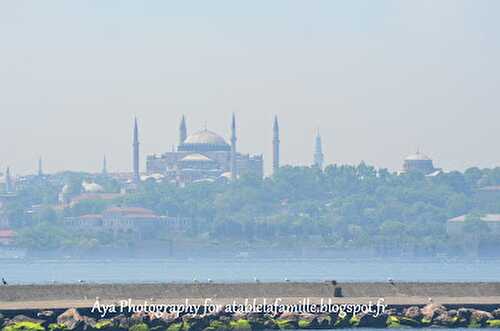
{"type": "Point", "coordinates": [234, 170]}
{"type": "Point", "coordinates": [136, 175]}
{"type": "Point", "coordinates": [104, 166]}
{"type": "Point", "coordinates": [182, 130]}
{"type": "Point", "coordinates": [276, 146]}
{"type": "Point", "coordinates": [8, 181]}
{"type": "Point", "coordinates": [40, 169]}
{"type": "Point", "coordinates": [318, 152]}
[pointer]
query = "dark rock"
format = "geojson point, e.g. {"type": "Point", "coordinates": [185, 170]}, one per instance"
{"type": "Point", "coordinates": [121, 322]}
{"type": "Point", "coordinates": [139, 317]}
{"type": "Point", "coordinates": [89, 323]}
{"type": "Point", "coordinates": [239, 316]}
{"type": "Point", "coordinates": [163, 320]}
{"type": "Point", "coordinates": [391, 312]}
{"type": "Point", "coordinates": [289, 316]}
{"type": "Point", "coordinates": [370, 321]}
{"type": "Point", "coordinates": [343, 322]}
{"type": "Point", "coordinates": [325, 321]}
{"type": "Point", "coordinates": [405, 321]}
{"type": "Point", "coordinates": [71, 320]}
{"type": "Point", "coordinates": [413, 313]}
{"type": "Point", "coordinates": [48, 315]}
{"type": "Point", "coordinates": [254, 316]}
{"type": "Point", "coordinates": [270, 324]}
{"type": "Point", "coordinates": [307, 321]}
{"type": "Point", "coordinates": [464, 313]}
{"type": "Point", "coordinates": [446, 319]}
{"type": "Point", "coordinates": [194, 322]}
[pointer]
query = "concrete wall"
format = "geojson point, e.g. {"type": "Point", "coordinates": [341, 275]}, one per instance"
{"type": "Point", "coordinates": [239, 290]}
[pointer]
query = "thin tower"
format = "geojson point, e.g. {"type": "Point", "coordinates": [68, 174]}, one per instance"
{"type": "Point", "coordinates": [104, 166]}
{"type": "Point", "coordinates": [318, 152]}
{"type": "Point", "coordinates": [234, 170]}
{"type": "Point", "coordinates": [8, 181]}
{"type": "Point", "coordinates": [182, 130]}
{"type": "Point", "coordinates": [136, 152]}
{"type": "Point", "coordinates": [276, 145]}
{"type": "Point", "coordinates": [40, 169]}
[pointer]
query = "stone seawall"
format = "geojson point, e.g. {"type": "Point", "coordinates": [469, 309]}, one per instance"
{"type": "Point", "coordinates": [158, 307]}
{"type": "Point", "coordinates": [23, 293]}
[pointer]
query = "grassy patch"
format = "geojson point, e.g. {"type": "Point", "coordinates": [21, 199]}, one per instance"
{"type": "Point", "coordinates": [24, 326]}
{"type": "Point", "coordinates": [354, 321]}
{"type": "Point", "coordinates": [493, 323]}
{"type": "Point", "coordinates": [175, 327]}
{"type": "Point", "coordinates": [304, 324]}
{"type": "Point", "coordinates": [284, 324]}
{"type": "Point", "coordinates": [104, 324]}
{"type": "Point", "coordinates": [139, 327]}
{"type": "Point", "coordinates": [214, 326]}
{"type": "Point", "coordinates": [57, 327]}
{"type": "Point", "coordinates": [240, 325]}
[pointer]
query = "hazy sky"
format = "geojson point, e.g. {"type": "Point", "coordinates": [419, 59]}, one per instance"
{"type": "Point", "coordinates": [380, 78]}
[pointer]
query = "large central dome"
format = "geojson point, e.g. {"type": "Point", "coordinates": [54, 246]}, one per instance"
{"type": "Point", "coordinates": [205, 137]}
{"type": "Point", "coordinates": [204, 140]}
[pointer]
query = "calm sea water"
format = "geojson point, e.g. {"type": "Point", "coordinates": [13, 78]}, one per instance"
{"type": "Point", "coordinates": [244, 270]}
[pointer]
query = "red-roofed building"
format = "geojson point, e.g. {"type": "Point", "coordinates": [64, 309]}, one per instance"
{"type": "Point", "coordinates": [7, 237]}
{"type": "Point", "coordinates": [123, 219]}
{"type": "Point", "coordinates": [94, 196]}
{"type": "Point", "coordinates": [455, 226]}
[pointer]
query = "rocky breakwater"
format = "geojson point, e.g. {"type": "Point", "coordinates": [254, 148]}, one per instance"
{"type": "Point", "coordinates": [432, 315]}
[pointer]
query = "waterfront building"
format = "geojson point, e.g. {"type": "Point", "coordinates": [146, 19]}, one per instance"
{"type": "Point", "coordinates": [4, 220]}
{"type": "Point", "coordinates": [6, 182]}
{"type": "Point", "coordinates": [455, 226]}
{"type": "Point", "coordinates": [7, 237]}
{"type": "Point", "coordinates": [141, 222]}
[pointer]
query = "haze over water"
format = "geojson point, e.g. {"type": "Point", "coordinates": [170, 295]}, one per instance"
{"type": "Point", "coordinates": [245, 270]}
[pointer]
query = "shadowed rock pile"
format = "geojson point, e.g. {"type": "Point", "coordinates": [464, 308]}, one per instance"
{"type": "Point", "coordinates": [432, 315]}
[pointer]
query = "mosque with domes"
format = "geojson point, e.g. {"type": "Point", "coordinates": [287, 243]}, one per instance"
{"type": "Point", "coordinates": [421, 163]}
{"type": "Point", "coordinates": [205, 156]}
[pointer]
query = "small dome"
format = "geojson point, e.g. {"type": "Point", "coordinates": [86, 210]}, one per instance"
{"type": "Point", "coordinates": [417, 157]}
{"type": "Point", "coordinates": [205, 137]}
{"type": "Point", "coordinates": [92, 187]}
{"type": "Point", "coordinates": [65, 189]}
{"type": "Point", "coordinates": [226, 175]}
{"type": "Point", "coordinates": [196, 158]}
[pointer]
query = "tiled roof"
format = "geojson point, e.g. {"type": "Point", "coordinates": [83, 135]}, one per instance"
{"type": "Point", "coordinates": [485, 218]}
{"type": "Point", "coordinates": [7, 233]}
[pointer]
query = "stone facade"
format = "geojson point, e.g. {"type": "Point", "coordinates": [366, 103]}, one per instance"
{"type": "Point", "coordinates": [140, 221]}
{"type": "Point", "coordinates": [204, 156]}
